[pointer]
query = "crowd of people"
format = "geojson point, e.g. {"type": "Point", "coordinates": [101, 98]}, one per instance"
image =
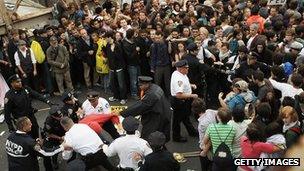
{"type": "Point", "coordinates": [236, 66]}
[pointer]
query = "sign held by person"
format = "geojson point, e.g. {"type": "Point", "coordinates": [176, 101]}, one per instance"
{"type": "Point", "coordinates": [276, 2]}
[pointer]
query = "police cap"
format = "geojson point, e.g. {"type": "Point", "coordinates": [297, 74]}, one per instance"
{"type": "Point", "coordinates": [144, 79]}
{"type": "Point", "coordinates": [55, 111]}
{"type": "Point", "coordinates": [92, 95]}
{"type": "Point", "coordinates": [192, 47]}
{"type": "Point", "coordinates": [66, 96]}
{"type": "Point", "coordinates": [13, 78]}
{"type": "Point", "coordinates": [157, 139]}
{"type": "Point", "coordinates": [181, 63]}
{"type": "Point", "coordinates": [130, 124]}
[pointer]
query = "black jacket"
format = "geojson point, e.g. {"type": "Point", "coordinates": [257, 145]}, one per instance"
{"type": "Point", "coordinates": [160, 161]}
{"type": "Point", "coordinates": [83, 51]}
{"type": "Point", "coordinates": [154, 110]}
{"type": "Point", "coordinates": [131, 55]}
{"type": "Point", "coordinates": [20, 152]}
{"type": "Point", "coordinates": [18, 103]}
{"type": "Point", "coordinates": [115, 58]}
{"type": "Point", "coordinates": [194, 69]}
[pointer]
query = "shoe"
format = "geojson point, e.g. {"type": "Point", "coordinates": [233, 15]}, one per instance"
{"type": "Point", "coordinates": [180, 139]}
{"type": "Point", "coordinates": [97, 85]}
{"type": "Point", "coordinates": [46, 95]}
{"type": "Point", "coordinates": [123, 101]}
{"type": "Point", "coordinates": [112, 99]}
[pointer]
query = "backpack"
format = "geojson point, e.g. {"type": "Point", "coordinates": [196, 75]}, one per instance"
{"type": "Point", "coordinates": [223, 157]}
{"type": "Point", "coordinates": [38, 52]}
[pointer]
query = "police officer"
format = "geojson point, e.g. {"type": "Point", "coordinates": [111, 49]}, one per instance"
{"type": "Point", "coordinates": [54, 133]}
{"type": "Point", "coordinates": [153, 108]}
{"type": "Point", "coordinates": [18, 103]}
{"type": "Point", "coordinates": [196, 73]}
{"type": "Point", "coordinates": [97, 105]}
{"type": "Point", "coordinates": [71, 106]}
{"type": "Point", "coordinates": [126, 145]}
{"type": "Point", "coordinates": [22, 149]}
{"type": "Point", "coordinates": [181, 91]}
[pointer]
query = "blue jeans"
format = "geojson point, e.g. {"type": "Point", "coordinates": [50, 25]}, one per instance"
{"type": "Point", "coordinates": [118, 84]}
{"type": "Point", "coordinates": [134, 72]}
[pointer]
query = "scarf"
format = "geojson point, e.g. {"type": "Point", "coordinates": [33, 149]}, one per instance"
{"type": "Point", "coordinates": [287, 127]}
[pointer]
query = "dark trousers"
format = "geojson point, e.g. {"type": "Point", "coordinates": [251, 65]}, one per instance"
{"type": "Point", "coordinates": [31, 81]}
{"type": "Point", "coordinates": [206, 164]}
{"type": "Point", "coordinates": [35, 127]}
{"type": "Point", "coordinates": [162, 75]}
{"type": "Point", "coordinates": [50, 162]}
{"type": "Point", "coordinates": [181, 113]}
{"type": "Point", "coordinates": [76, 71]}
{"type": "Point", "coordinates": [45, 77]}
{"type": "Point", "coordinates": [109, 127]}
{"type": "Point", "coordinates": [99, 158]}
{"type": "Point", "coordinates": [118, 84]}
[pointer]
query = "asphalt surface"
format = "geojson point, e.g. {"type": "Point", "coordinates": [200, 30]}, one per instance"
{"type": "Point", "coordinates": [192, 145]}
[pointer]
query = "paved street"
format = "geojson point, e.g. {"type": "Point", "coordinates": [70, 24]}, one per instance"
{"type": "Point", "coordinates": [191, 145]}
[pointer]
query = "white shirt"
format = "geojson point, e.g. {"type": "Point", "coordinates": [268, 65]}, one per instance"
{"type": "Point", "coordinates": [180, 83]}
{"type": "Point", "coordinates": [82, 139]}
{"type": "Point", "coordinates": [124, 31]}
{"type": "Point", "coordinates": [201, 55]}
{"type": "Point", "coordinates": [240, 130]}
{"type": "Point", "coordinates": [286, 89]}
{"type": "Point", "coordinates": [103, 107]}
{"type": "Point", "coordinates": [250, 41]}
{"type": "Point", "coordinates": [17, 60]}
{"type": "Point", "coordinates": [204, 120]}
{"type": "Point", "coordinates": [125, 147]}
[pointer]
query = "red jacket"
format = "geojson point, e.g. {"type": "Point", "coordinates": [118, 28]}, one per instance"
{"type": "Point", "coordinates": [256, 19]}
{"type": "Point", "coordinates": [96, 121]}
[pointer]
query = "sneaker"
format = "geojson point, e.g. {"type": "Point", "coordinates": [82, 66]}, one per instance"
{"type": "Point", "coordinates": [97, 85]}
{"type": "Point", "coordinates": [123, 101]}
{"type": "Point", "coordinates": [112, 99]}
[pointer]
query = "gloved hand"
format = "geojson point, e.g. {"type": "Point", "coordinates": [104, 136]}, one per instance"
{"type": "Point", "coordinates": [11, 129]}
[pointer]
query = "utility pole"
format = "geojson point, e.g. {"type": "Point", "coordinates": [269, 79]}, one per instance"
{"type": "Point", "coordinates": [5, 16]}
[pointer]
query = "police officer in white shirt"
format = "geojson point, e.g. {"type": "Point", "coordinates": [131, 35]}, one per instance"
{"type": "Point", "coordinates": [83, 140]}
{"type": "Point", "coordinates": [125, 147]}
{"type": "Point", "coordinates": [97, 105]}
{"type": "Point", "coordinates": [181, 91]}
